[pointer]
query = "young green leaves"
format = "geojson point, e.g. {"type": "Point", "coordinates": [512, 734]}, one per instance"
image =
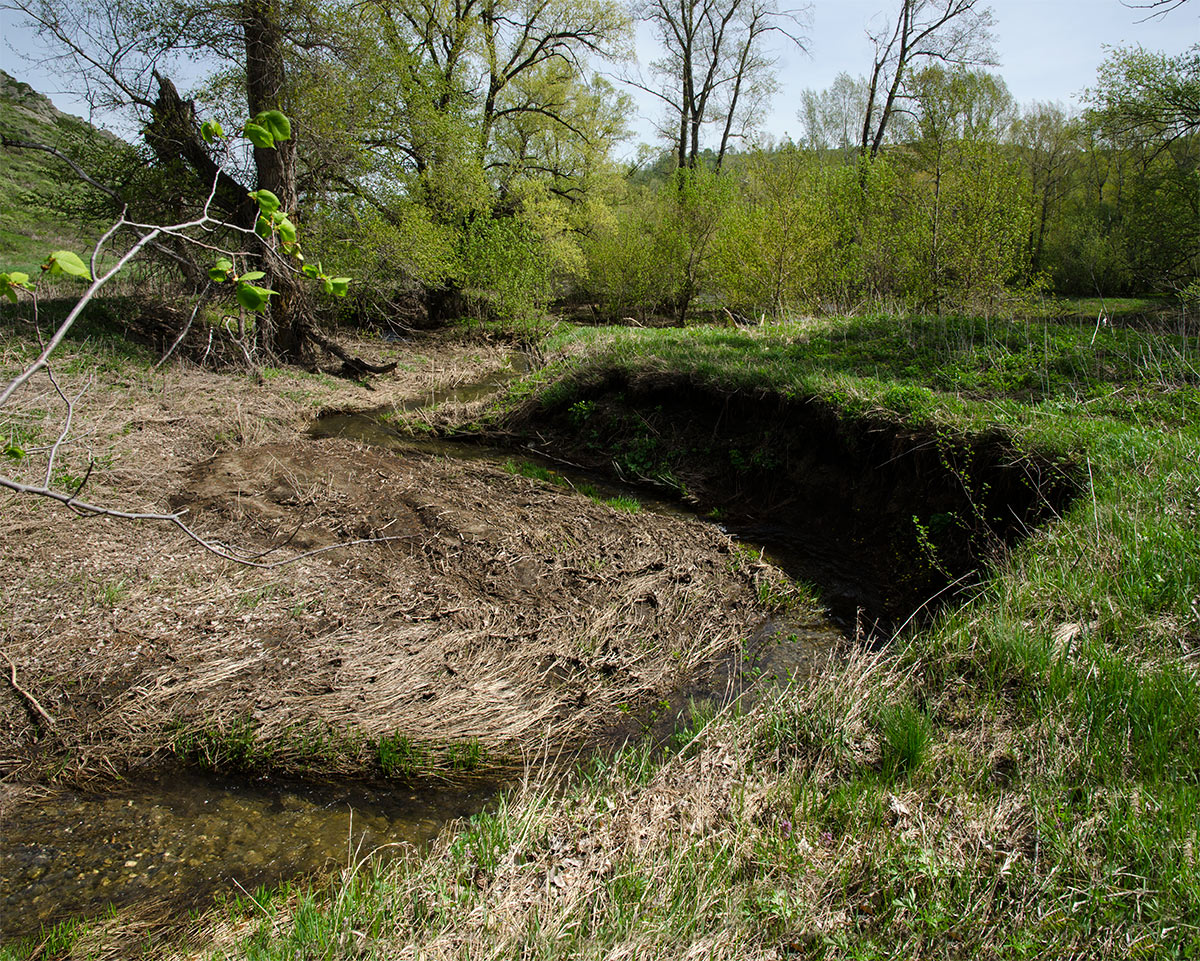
{"type": "Point", "coordinates": [249, 295]}
{"type": "Point", "coordinates": [337, 286]}
{"type": "Point", "coordinates": [65, 262]}
{"type": "Point", "coordinates": [274, 220]}
{"type": "Point", "coordinates": [11, 282]}
{"type": "Point", "coordinates": [252, 297]}
{"type": "Point", "coordinates": [267, 129]}
{"type": "Point", "coordinates": [61, 262]}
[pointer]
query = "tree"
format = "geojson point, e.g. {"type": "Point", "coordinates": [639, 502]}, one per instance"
{"type": "Point", "coordinates": [953, 32]}
{"type": "Point", "coordinates": [1145, 112]}
{"type": "Point", "coordinates": [1048, 139]}
{"type": "Point", "coordinates": [968, 232]}
{"type": "Point", "coordinates": [786, 246]}
{"type": "Point", "coordinates": [120, 50]}
{"type": "Point", "coordinates": [1148, 98]}
{"type": "Point", "coordinates": [832, 118]}
{"type": "Point", "coordinates": [36, 470]}
{"type": "Point", "coordinates": [470, 111]}
{"type": "Point", "coordinates": [715, 69]}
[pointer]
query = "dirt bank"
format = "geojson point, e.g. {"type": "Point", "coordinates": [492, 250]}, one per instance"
{"type": "Point", "coordinates": [879, 516]}
{"type": "Point", "coordinates": [498, 610]}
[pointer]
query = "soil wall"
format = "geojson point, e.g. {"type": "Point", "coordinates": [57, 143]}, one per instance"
{"type": "Point", "coordinates": [879, 516]}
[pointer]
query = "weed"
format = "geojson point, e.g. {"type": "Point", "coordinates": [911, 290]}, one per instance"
{"type": "Point", "coordinates": [905, 735]}
{"type": "Point", "coordinates": [231, 746]}
{"type": "Point", "coordinates": [400, 757]}
{"type": "Point", "coordinates": [465, 755]}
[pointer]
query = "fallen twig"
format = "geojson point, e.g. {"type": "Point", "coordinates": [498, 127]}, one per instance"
{"type": "Point", "coordinates": [29, 698]}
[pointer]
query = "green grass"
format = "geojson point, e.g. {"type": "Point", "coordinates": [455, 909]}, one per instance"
{"type": "Point", "coordinates": [964, 371]}
{"type": "Point", "coordinates": [623, 503]}
{"type": "Point", "coordinates": [51, 941]}
{"type": "Point", "coordinates": [238, 746]}
{"type": "Point", "coordinates": [43, 205]}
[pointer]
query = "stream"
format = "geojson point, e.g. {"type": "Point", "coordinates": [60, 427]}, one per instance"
{"type": "Point", "coordinates": [178, 840]}
{"type": "Point", "coordinates": [182, 837]}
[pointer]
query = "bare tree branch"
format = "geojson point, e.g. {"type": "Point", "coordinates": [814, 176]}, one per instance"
{"type": "Point", "coordinates": [714, 54]}
{"type": "Point", "coordinates": [953, 31]}
{"type": "Point", "coordinates": [29, 698]}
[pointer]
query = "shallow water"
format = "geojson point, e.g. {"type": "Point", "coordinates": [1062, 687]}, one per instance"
{"type": "Point", "coordinates": [182, 837]}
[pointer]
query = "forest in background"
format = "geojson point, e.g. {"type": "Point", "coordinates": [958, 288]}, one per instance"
{"type": "Point", "coordinates": [459, 159]}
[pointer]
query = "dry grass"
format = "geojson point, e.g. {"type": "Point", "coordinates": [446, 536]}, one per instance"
{"type": "Point", "coordinates": [711, 852]}
{"type": "Point", "coordinates": [499, 611]}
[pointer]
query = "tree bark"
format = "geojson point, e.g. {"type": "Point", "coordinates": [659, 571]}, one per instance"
{"type": "Point", "coordinates": [281, 328]}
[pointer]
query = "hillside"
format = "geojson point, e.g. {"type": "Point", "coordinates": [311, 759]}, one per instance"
{"type": "Point", "coordinates": [42, 203]}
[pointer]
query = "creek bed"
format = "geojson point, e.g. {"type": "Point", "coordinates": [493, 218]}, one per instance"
{"type": "Point", "coordinates": [174, 841]}
{"type": "Point", "coordinates": [180, 838]}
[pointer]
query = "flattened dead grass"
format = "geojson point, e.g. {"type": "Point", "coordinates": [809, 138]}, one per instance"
{"type": "Point", "coordinates": [497, 610]}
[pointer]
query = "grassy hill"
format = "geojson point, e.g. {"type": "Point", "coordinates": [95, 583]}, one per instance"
{"type": "Point", "coordinates": [43, 204]}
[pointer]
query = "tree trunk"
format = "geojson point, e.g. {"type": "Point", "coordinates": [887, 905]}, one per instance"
{"type": "Point", "coordinates": [173, 136]}
{"type": "Point", "coordinates": [281, 327]}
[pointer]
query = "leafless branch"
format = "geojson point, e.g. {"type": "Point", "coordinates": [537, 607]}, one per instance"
{"type": "Point", "coordinates": [1157, 8]}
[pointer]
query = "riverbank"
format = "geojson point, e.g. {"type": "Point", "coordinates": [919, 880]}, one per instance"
{"type": "Point", "coordinates": [1019, 777]}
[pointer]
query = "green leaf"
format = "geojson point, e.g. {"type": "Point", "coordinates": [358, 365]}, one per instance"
{"type": "Point", "coordinates": [287, 231]}
{"type": "Point", "coordinates": [11, 281]}
{"type": "Point", "coordinates": [267, 202]}
{"type": "Point", "coordinates": [252, 275]}
{"type": "Point", "coordinates": [15, 452]}
{"type": "Point", "coordinates": [65, 262]}
{"type": "Point", "coordinates": [210, 130]}
{"type": "Point", "coordinates": [262, 227]}
{"type": "Point", "coordinates": [219, 272]}
{"type": "Point", "coordinates": [253, 298]}
{"type": "Point", "coordinates": [311, 270]}
{"type": "Point", "coordinates": [340, 286]}
{"type": "Point", "coordinates": [258, 135]}
{"type": "Point", "coordinates": [275, 123]}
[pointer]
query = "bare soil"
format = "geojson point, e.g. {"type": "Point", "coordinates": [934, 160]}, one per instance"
{"type": "Point", "coordinates": [494, 608]}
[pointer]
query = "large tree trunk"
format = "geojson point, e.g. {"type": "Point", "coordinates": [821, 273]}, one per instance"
{"type": "Point", "coordinates": [173, 135]}
{"type": "Point", "coordinates": [281, 327]}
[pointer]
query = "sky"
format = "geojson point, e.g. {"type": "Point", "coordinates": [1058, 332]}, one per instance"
{"type": "Point", "coordinates": [1047, 49]}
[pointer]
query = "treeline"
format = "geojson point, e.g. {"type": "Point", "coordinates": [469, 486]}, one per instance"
{"type": "Point", "coordinates": [973, 202]}
{"type": "Point", "coordinates": [458, 160]}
